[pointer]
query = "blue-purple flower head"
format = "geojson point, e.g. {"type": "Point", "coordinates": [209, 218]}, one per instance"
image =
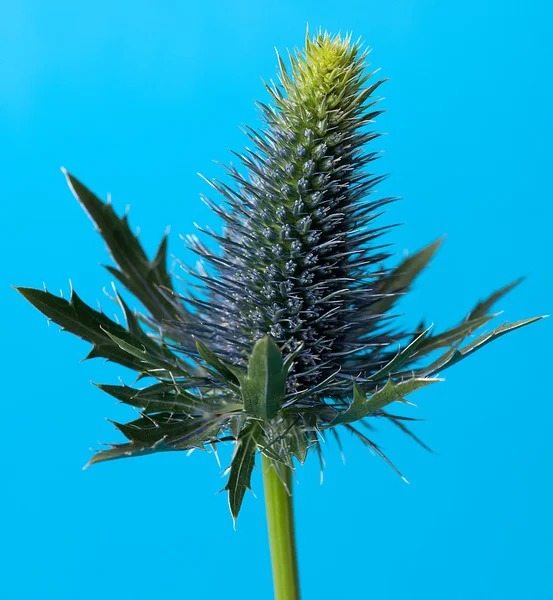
{"type": "Point", "coordinates": [301, 256]}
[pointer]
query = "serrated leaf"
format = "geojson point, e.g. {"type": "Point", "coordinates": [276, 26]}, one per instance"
{"type": "Point", "coordinates": [477, 318]}
{"type": "Point", "coordinates": [401, 278]}
{"type": "Point", "coordinates": [127, 451]}
{"type": "Point", "coordinates": [178, 431]}
{"type": "Point", "coordinates": [83, 321]}
{"type": "Point", "coordinates": [451, 336]}
{"type": "Point", "coordinates": [274, 442]}
{"type": "Point", "coordinates": [401, 357]}
{"type": "Point", "coordinates": [274, 451]}
{"type": "Point", "coordinates": [363, 406]}
{"type": "Point", "coordinates": [229, 373]}
{"type": "Point", "coordinates": [154, 399]}
{"type": "Point", "coordinates": [148, 280]}
{"type": "Point", "coordinates": [205, 432]}
{"type": "Point", "coordinates": [282, 470]}
{"type": "Point", "coordinates": [153, 359]}
{"type": "Point", "coordinates": [243, 462]}
{"type": "Point", "coordinates": [483, 307]}
{"type": "Point", "coordinates": [449, 358]}
{"type": "Point", "coordinates": [496, 333]}
{"type": "Point", "coordinates": [236, 424]}
{"type": "Point", "coordinates": [263, 390]}
{"type": "Point", "coordinates": [298, 444]}
{"type": "Point", "coordinates": [455, 355]}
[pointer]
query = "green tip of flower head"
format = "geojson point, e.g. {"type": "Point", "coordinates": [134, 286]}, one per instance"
{"type": "Point", "coordinates": [326, 68]}
{"type": "Point", "coordinates": [325, 76]}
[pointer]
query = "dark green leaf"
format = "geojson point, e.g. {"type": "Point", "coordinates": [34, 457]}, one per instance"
{"type": "Point", "coordinates": [483, 307]}
{"type": "Point", "coordinates": [401, 357]}
{"type": "Point", "coordinates": [451, 336]}
{"type": "Point", "coordinates": [229, 373]}
{"type": "Point", "coordinates": [85, 322]}
{"type": "Point", "coordinates": [298, 444]}
{"type": "Point", "coordinates": [486, 338]}
{"type": "Point", "coordinates": [150, 343]}
{"type": "Point", "coordinates": [243, 462]}
{"type": "Point", "coordinates": [447, 359]}
{"type": "Point", "coordinates": [401, 278]}
{"type": "Point", "coordinates": [155, 398]}
{"type": "Point", "coordinates": [204, 432]}
{"type": "Point", "coordinates": [282, 470]}
{"type": "Point", "coordinates": [362, 406]}
{"type": "Point", "coordinates": [275, 442]}
{"type": "Point", "coordinates": [476, 318]}
{"type": "Point", "coordinates": [276, 451]}
{"type": "Point", "coordinates": [127, 451]}
{"type": "Point", "coordinates": [452, 357]}
{"type": "Point", "coordinates": [178, 431]}
{"type": "Point", "coordinates": [154, 360]}
{"type": "Point", "coordinates": [236, 424]}
{"type": "Point", "coordinates": [148, 280]}
{"type": "Point", "coordinates": [263, 389]}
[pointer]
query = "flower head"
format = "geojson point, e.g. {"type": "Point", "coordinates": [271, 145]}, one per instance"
{"type": "Point", "coordinates": [300, 260]}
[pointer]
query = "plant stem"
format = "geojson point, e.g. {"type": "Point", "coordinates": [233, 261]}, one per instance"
{"type": "Point", "coordinates": [280, 523]}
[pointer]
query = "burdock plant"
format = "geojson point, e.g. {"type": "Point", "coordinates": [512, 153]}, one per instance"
{"type": "Point", "coordinates": [286, 334]}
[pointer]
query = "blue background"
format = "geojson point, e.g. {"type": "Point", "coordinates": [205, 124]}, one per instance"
{"type": "Point", "coordinates": [135, 98]}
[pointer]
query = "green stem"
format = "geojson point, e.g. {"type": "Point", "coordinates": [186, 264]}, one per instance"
{"type": "Point", "coordinates": [280, 522]}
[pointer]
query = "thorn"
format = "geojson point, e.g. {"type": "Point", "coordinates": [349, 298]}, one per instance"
{"type": "Point", "coordinates": [403, 401]}
{"type": "Point", "coordinates": [216, 453]}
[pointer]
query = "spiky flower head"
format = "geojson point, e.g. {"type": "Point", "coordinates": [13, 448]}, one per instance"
{"type": "Point", "coordinates": [287, 333]}
{"type": "Point", "coordinates": [299, 257]}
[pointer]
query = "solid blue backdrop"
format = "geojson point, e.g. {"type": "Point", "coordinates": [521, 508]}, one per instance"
{"type": "Point", "coordinates": [135, 98]}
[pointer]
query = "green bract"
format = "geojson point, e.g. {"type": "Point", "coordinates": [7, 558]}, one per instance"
{"type": "Point", "coordinates": [287, 333]}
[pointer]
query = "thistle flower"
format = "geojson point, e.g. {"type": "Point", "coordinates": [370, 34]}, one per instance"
{"type": "Point", "coordinates": [287, 333]}
{"type": "Point", "coordinates": [299, 256]}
